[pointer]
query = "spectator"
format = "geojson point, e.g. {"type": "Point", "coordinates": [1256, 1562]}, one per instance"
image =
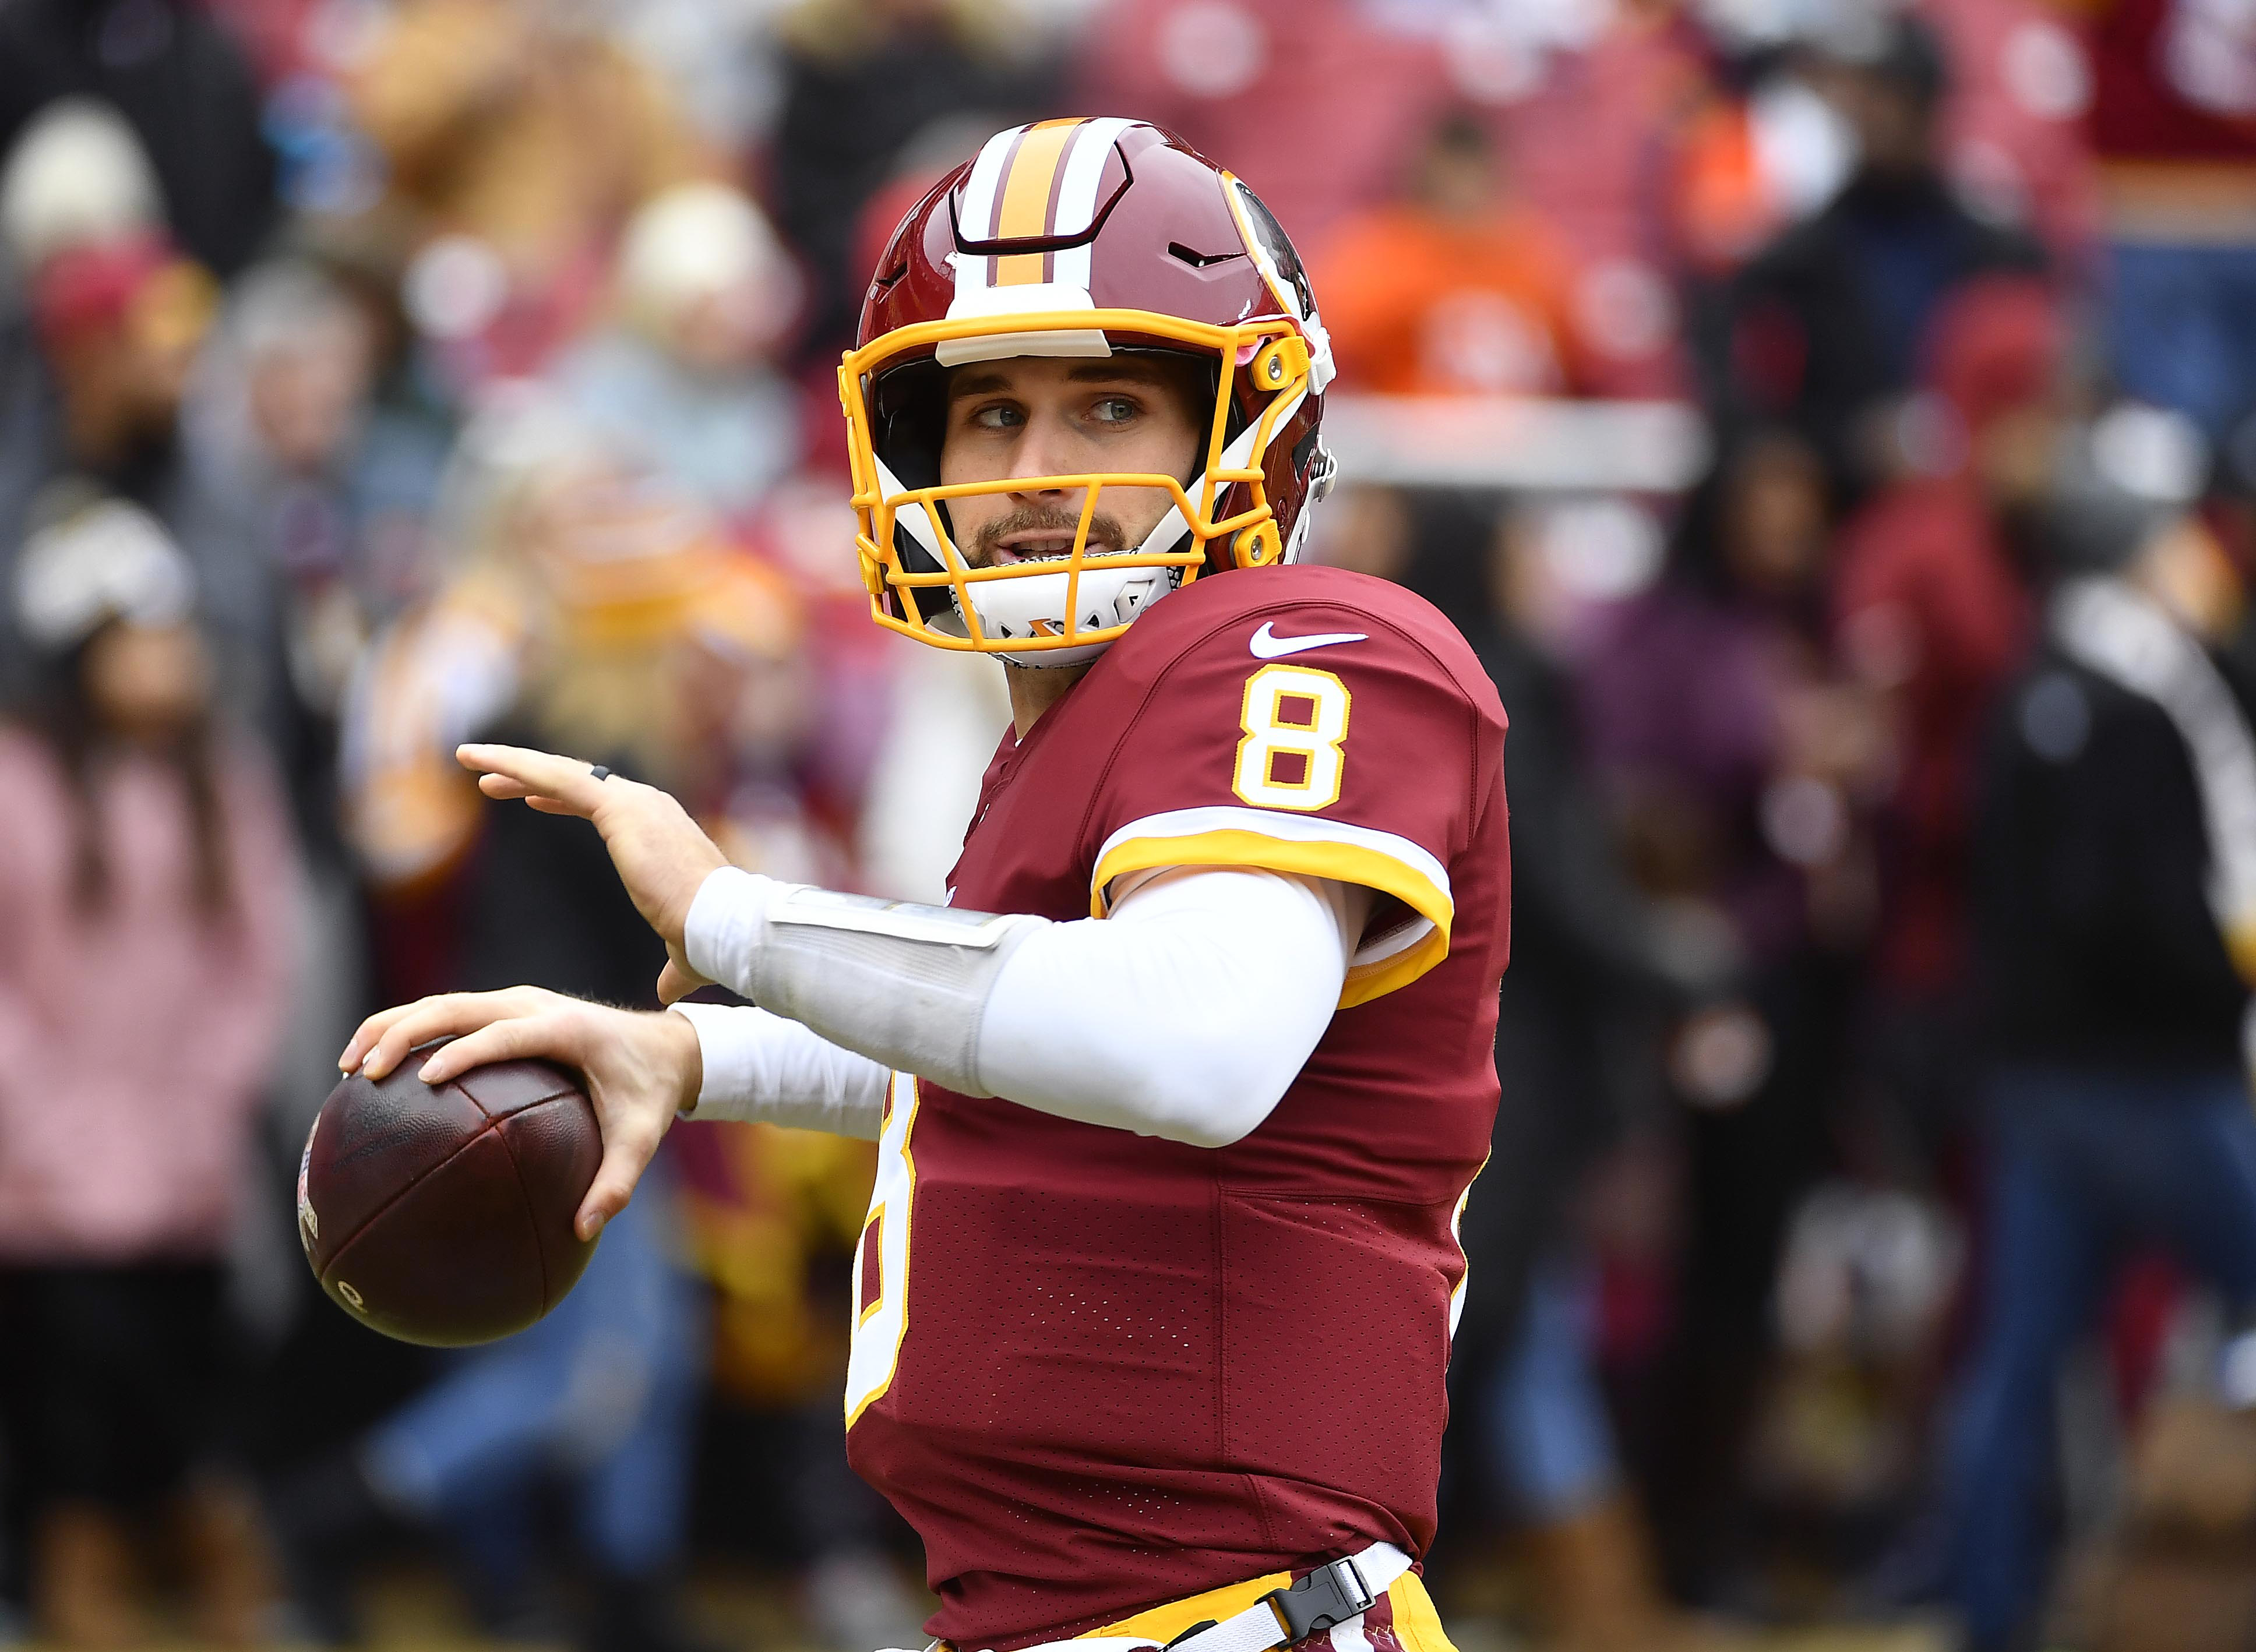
{"type": "Point", "coordinates": [1595, 966]}
{"type": "Point", "coordinates": [482, 110]}
{"type": "Point", "coordinates": [403, 430]}
{"type": "Point", "coordinates": [683, 380]}
{"type": "Point", "coordinates": [597, 1402]}
{"type": "Point", "coordinates": [2116, 900]}
{"type": "Point", "coordinates": [277, 422]}
{"type": "Point", "coordinates": [1932, 612]}
{"type": "Point", "coordinates": [118, 324]}
{"type": "Point", "coordinates": [590, 610]}
{"type": "Point", "coordinates": [1461, 288]}
{"type": "Point", "coordinates": [861, 78]}
{"type": "Point", "coordinates": [144, 963]}
{"type": "Point", "coordinates": [332, 475]}
{"type": "Point", "coordinates": [182, 84]}
{"type": "Point", "coordinates": [1831, 318]}
{"type": "Point", "coordinates": [588, 601]}
{"type": "Point", "coordinates": [1737, 761]}
{"type": "Point", "coordinates": [282, 423]}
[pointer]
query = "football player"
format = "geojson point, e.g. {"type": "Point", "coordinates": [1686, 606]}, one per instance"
{"type": "Point", "coordinates": [1179, 1100]}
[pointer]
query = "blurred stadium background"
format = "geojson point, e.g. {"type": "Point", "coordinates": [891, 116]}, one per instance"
{"type": "Point", "coordinates": [1741, 375]}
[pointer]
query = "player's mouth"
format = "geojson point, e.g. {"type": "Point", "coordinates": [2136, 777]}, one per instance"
{"type": "Point", "coordinates": [1047, 543]}
{"type": "Point", "coordinates": [1042, 547]}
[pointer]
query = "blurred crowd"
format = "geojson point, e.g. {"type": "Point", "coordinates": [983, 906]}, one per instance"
{"type": "Point", "coordinates": [1870, 1230]}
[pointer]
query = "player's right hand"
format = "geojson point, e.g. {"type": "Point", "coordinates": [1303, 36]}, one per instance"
{"type": "Point", "coordinates": [663, 857]}
{"type": "Point", "coordinates": [641, 1068]}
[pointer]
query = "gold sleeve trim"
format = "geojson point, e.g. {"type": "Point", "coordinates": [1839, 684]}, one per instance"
{"type": "Point", "coordinates": [1345, 862]}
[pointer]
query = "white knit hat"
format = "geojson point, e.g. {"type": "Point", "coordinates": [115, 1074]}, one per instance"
{"type": "Point", "coordinates": [109, 561]}
{"type": "Point", "coordinates": [77, 174]}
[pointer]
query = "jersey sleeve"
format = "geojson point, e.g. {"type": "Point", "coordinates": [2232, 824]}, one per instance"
{"type": "Point", "coordinates": [1354, 759]}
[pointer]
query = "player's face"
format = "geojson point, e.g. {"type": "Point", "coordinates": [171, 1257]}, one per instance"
{"type": "Point", "coordinates": [1044, 416]}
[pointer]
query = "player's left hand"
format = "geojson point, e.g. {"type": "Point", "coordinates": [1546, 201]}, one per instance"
{"type": "Point", "coordinates": [641, 1069]}
{"type": "Point", "coordinates": [662, 855]}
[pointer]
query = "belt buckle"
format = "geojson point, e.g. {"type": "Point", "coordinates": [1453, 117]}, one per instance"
{"type": "Point", "coordinates": [1328, 1596]}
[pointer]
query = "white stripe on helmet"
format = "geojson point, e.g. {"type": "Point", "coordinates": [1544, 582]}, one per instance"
{"type": "Point", "coordinates": [1076, 206]}
{"type": "Point", "coordinates": [981, 192]}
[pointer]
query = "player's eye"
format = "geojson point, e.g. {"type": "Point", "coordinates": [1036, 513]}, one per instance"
{"type": "Point", "coordinates": [997, 416]}
{"type": "Point", "coordinates": [1114, 410]}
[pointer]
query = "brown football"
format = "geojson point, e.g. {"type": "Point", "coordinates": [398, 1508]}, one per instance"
{"type": "Point", "coordinates": [443, 1214]}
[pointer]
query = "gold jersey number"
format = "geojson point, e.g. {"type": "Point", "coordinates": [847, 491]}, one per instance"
{"type": "Point", "coordinates": [1295, 722]}
{"type": "Point", "coordinates": [881, 1259]}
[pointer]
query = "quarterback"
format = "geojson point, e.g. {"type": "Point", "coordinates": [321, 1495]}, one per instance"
{"type": "Point", "coordinates": [1180, 1097]}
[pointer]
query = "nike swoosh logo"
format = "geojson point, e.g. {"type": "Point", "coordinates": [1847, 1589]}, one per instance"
{"type": "Point", "coordinates": [1266, 644]}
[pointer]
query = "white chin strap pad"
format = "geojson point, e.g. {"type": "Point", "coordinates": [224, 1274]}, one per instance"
{"type": "Point", "coordinates": [1024, 605]}
{"type": "Point", "coordinates": [1010, 608]}
{"type": "Point", "coordinates": [1034, 605]}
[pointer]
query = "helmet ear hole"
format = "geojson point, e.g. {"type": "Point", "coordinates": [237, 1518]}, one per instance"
{"type": "Point", "coordinates": [1257, 546]}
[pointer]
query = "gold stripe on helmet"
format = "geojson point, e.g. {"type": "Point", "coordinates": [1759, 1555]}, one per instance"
{"type": "Point", "coordinates": [1024, 213]}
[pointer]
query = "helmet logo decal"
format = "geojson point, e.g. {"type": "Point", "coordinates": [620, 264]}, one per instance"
{"type": "Point", "coordinates": [1032, 183]}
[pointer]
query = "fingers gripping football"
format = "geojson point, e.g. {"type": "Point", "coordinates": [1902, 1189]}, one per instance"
{"type": "Point", "coordinates": [640, 1069]}
{"type": "Point", "coordinates": [381, 1041]}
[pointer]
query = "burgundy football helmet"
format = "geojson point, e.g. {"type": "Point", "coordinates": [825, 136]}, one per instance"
{"type": "Point", "coordinates": [1083, 239]}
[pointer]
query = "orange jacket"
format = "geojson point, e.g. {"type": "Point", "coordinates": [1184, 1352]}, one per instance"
{"type": "Point", "coordinates": [1420, 304]}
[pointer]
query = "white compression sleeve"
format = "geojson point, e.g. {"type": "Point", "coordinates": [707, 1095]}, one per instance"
{"type": "Point", "coordinates": [1185, 1015]}
{"type": "Point", "coordinates": [766, 1068]}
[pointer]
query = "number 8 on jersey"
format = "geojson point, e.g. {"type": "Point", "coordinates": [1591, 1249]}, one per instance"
{"type": "Point", "coordinates": [1295, 722]}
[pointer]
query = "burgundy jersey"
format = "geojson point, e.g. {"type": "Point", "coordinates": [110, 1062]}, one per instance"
{"type": "Point", "coordinates": [1097, 1371]}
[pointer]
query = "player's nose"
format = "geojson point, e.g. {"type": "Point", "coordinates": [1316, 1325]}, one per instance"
{"type": "Point", "coordinates": [1042, 454]}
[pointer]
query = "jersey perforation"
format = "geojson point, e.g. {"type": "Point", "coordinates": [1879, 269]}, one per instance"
{"type": "Point", "coordinates": [1271, 1196]}
{"type": "Point", "coordinates": [1218, 1232]}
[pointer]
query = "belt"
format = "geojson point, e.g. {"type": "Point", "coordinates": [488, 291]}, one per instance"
{"type": "Point", "coordinates": [1336, 1592]}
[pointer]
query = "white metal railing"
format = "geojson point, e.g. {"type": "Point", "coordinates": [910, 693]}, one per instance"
{"type": "Point", "coordinates": [1517, 443]}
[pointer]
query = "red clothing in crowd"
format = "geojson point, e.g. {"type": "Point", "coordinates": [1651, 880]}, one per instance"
{"type": "Point", "coordinates": [2014, 124]}
{"type": "Point", "coordinates": [1262, 85]}
{"type": "Point", "coordinates": [2173, 79]}
{"type": "Point", "coordinates": [1929, 602]}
